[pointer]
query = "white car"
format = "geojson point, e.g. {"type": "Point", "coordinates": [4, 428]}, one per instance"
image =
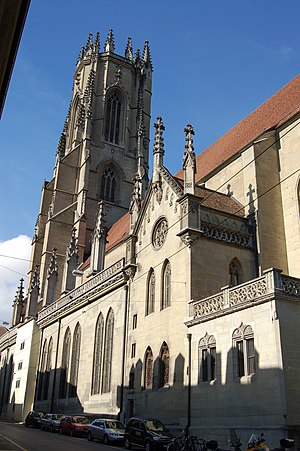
{"type": "Point", "coordinates": [107, 430]}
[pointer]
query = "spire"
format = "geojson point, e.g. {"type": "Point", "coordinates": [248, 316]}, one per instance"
{"type": "Point", "coordinates": [35, 281]}
{"type": "Point", "coordinates": [89, 44]}
{"type": "Point", "coordinates": [88, 93]}
{"type": "Point", "coordinates": [18, 304]}
{"type": "Point", "coordinates": [189, 161]}
{"type": "Point", "coordinates": [71, 262]}
{"type": "Point", "coordinates": [136, 200]}
{"type": "Point", "coordinates": [53, 266]}
{"type": "Point", "coordinates": [147, 56]}
{"type": "Point", "coordinates": [128, 50]}
{"type": "Point", "coordinates": [158, 152]}
{"type": "Point", "coordinates": [51, 280]}
{"type": "Point", "coordinates": [97, 43]}
{"type": "Point", "coordinates": [61, 148]}
{"type": "Point", "coordinates": [81, 55]}
{"type": "Point", "coordinates": [137, 58]}
{"type": "Point", "coordinates": [110, 44]}
{"type": "Point", "coordinates": [99, 241]}
{"type": "Point", "coordinates": [33, 293]}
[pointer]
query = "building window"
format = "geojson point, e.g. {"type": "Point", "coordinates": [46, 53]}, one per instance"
{"type": "Point", "coordinates": [150, 293]}
{"type": "Point", "coordinates": [131, 380]}
{"type": "Point", "coordinates": [148, 381]}
{"type": "Point", "coordinates": [65, 365]}
{"type": "Point", "coordinates": [113, 118]}
{"type": "Point", "coordinates": [133, 348]}
{"type": "Point", "coordinates": [42, 371]}
{"type": "Point", "coordinates": [207, 358]}
{"type": "Point", "coordinates": [235, 272]}
{"type": "Point", "coordinates": [166, 285]}
{"type": "Point", "coordinates": [75, 361]}
{"type": "Point", "coordinates": [108, 351]}
{"type": "Point", "coordinates": [108, 185]}
{"type": "Point", "coordinates": [243, 344]}
{"type": "Point", "coordinates": [20, 365]}
{"type": "Point", "coordinates": [18, 383]}
{"type": "Point", "coordinates": [47, 370]}
{"type": "Point", "coordinates": [98, 348]}
{"type": "Point", "coordinates": [160, 233]}
{"type": "Point", "coordinates": [134, 321]}
{"type": "Point", "coordinates": [22, 345]}
{"type": "Point", "coordinates": [164, 365]}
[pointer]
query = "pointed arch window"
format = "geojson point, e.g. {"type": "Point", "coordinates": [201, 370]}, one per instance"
{"type": "Point", "coordinates": [75, 361]}
{"type": "Point", "coordinates": [207, 358]}
{"type": "Point", "coordinates": [150, 301]}
{"type": "Point", "coordinates": [243, 344]}
{"type": "Point", "coordinates": [113, 118]}
{"type": "Point", "coordinates": [42, 371]}
{"type": "Point", "coordinates": [148, 381]}
{"type": "Point", "coordinates": [65, 361]}
{"type": "Point", "coordinates": [98, 350]}
{"type": "Point", "coordinates": [108, 185]}
{"type": "Point", "coordinates": [108, 351]}
{"type": "Point", "coordinates": [235, 272]}
{"type": "Point", "coordinates": [164, 365]}
{"type": "Point", "coordinates": [166, 285]}
{"type": "Point", "coordinates": [47, 370]}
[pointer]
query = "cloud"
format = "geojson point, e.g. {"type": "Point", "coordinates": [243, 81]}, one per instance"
{"type": "Point", "coordinates": [14, 265]}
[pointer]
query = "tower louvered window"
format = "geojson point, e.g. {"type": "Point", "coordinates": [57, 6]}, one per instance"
{"type": "Point", "coordinates": [98, 350]}
{"type": "Point", "coordinates": [75, 362]}
{"type": "Point", "coordinates": [108, 350]}
{"type": "Point", "coordinates": [108, 185]}
{"type": "Point", "coordinates": [113, 118]}
{"type": "Point", "coordinates": [65, 364]}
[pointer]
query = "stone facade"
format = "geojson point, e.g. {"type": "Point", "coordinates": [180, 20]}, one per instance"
{"type": "Point", "coordinates": [158, 296]}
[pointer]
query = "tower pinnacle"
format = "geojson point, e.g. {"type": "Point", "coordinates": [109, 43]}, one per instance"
{"type": "Point", "coordinates": [110, 44]}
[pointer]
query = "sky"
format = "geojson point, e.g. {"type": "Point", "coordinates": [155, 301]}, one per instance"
{"type": "Point", "coordinates": [214, 62]}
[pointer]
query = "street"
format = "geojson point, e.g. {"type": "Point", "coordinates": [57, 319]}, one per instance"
{"type": "Point", "coordinates": [17, 437]}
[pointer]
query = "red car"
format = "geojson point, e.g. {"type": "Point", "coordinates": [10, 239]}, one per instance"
{"type": "Point", "coordinates": [74, 425]}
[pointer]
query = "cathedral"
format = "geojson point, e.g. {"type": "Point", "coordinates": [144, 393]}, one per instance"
{"type": "Point", "coordinates": [174, 296]}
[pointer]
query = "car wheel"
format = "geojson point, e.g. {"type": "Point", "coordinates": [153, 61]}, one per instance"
{"type": "Point", "coordinates": [127, 443]}
{"type": "Point", "coordinates": [148, 446]}
{"type": "Point", "coordinates": [105, 440]}
{"type": "Point", "coordinates": [90, 437]}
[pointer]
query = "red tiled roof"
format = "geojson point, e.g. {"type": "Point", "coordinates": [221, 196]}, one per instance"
{"type": "Point", "coordinates": [118, 231]}
{"type": "Point", "coordinates": [274, 112]}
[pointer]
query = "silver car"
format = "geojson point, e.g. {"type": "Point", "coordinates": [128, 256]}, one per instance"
{"type": "Point", "coordinates": [107, 430]}
{"type": "Point", "coordinates": [51, 422]}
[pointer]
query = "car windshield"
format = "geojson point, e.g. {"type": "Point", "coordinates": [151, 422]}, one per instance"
{"type": "Point", "coordinates": [155, 426]}
{"type": "Point", "coordinates": [115, 425]}
{"type": "Point", "coordinates": [81, 420]}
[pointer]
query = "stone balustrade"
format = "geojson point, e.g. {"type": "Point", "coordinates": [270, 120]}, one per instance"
{"type": "Point", "coordinates": [258, 290]}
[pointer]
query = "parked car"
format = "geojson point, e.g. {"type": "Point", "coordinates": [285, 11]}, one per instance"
{"type": "Point", "coordinates": [149, 433]}
{"type": "Point", "coordinates": [33, 419]}
{"type": "Point", "coordinates": [74, 425]}
{"type": "Point", "coordinates": [107, 430]}
{"type": "Point", "coordinates": [51, 422]}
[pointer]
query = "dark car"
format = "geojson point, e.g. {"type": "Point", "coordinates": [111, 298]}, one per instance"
{"type": "Point", "coordinates": [74, 425]}
{"type": "Point", "coordinates": [33, 419]}
{"type": "Point", "coordinates": [149, 433]}
{"type": "Point", "coordinates": [51, 422]}
{"type": "Point", "coordinates": [107, 430]}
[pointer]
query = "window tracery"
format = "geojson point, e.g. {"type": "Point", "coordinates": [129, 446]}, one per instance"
{"type": "Point", "coordinates": [243, 341]}
{"type": "Point", "coordinates": [148, 382]}
{"type": "Point", "coordinates": [75, 361]}
{"type": "Point", "coordinates": [150, 301]}
{"type": "Point", "coordinates": [207, 358]}
{"type": "Point", "coordinates": [98, 350]}
{"type": "Point", "coordinates": [164, 365]}
{"type": "Point", "coordinates": [108, 349]}
{"type": "Point", "coordinates": [108, 185]}
{"type": "Point", "coordinates": [166, 285]}
{"type": "Point", "coordinates": [65, 364]}
{"type": "Point", "coordinates": [113, 118]}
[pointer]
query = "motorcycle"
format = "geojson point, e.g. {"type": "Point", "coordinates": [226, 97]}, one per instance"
{"type": "Point", "coordinates": [256, 443]}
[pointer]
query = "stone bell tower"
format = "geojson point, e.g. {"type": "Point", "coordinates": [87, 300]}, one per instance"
{"type": "Point", "coordinates": [104, 145]}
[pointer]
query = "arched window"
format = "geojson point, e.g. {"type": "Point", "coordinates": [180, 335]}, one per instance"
{"type": "Point", "coordinates": [108, 350]}
{"type": "Point", "coordinates": [235, 272]}
{"type": "Point", "coordinates": [164, 365]}
{"type": "Point", "coordinates": [207, 358]}
{"type": "Point", "coordinates": [47, 370]}
{"type": "Point", "coordinates": [98, 349]}
{"type": "Point", "coordinates": [243, 344]}
{"type": "Point", "coordinates": [75, 361]}
{"type": "Point", "coordinates": [42, 371]}
{"type": "Point", "coordinates": [148, 372]}
{"type": "Point", "coordinates": [150, 301]}
{"type": "Point", "coordinates": [65, 364]}
{"type": "Point", "coordinates": [113, 118]}
{"type": "Point", "coordinates": [108, 185]}
{"type": "Point", "coordinates": [166, 285]}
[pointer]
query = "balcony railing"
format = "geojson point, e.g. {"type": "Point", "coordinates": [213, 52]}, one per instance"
{"type": "Point", "coordinates": [255, 291]}
{"type": "Point", "coordinates": [99, 282]}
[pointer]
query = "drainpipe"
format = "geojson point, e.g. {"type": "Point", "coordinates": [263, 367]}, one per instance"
{"type": "Point", "coordinates": [126, 288]}
{"type": "Point", "coordinates": [37, 377]}
{"type": "Point", "coordinates": [55, 366]}
{"type": "Point", "coordinates": [189, 337]}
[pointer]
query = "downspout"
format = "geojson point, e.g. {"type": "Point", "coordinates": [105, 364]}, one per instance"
{"type": "Point", "coordinates": [189, 337]}
{"type": "Point", "coordinates": [55, 366]}
{"type": "Point", "coordinates": [126, 288]}
{"type": "Point", "coordinates": [37, 377]}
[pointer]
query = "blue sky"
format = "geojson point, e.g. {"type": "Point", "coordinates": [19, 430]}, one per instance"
{"type": "Point", "coordinates": [214, 62]}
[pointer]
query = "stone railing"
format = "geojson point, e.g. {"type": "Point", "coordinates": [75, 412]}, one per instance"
{"type": "Point", "coordinates": [8, 338]}
{"type": "Point", "coordinates": [255, 291]}
{"type": "Point", "coordinates": [97, 283]}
